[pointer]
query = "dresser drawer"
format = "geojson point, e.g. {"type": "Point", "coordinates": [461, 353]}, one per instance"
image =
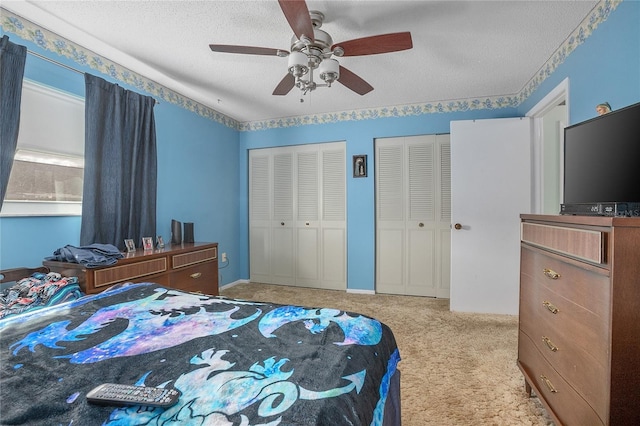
{"type": "Point", "coordinates": [187, 259]}
{"type": "Point", "coordinates": [134, 272]}
{"type": "Point", "coordinates": [162, 279]}
{"type": "Point", "coordinates": [561, 320]}
{"type": "Point", "coordinates": [585, 244]}
{"type": "Point", "coordinates": [197, 278]}
{"type": "Point", "coordinates": [582, 287]}
{"type": "Point", "coordinates": [567, 405]}
{"type": "Point", "coordinates": [572, 341]}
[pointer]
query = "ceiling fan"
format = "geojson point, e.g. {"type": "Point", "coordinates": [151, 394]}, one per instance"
{"type": "Point", "coordinates": [312, 49]}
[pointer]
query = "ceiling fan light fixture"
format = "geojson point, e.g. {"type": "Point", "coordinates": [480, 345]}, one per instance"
{"type": "Point", "coordinates": [329, 71]}
{"type": "Point", "coordinates": [298, 64]}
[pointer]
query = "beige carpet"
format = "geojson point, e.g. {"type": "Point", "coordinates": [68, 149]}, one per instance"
{"type": "Point", "coordinates": [457, 368]}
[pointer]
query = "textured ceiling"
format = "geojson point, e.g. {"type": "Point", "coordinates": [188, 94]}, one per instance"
{"type": "Point", "coordinates": [461, 49]}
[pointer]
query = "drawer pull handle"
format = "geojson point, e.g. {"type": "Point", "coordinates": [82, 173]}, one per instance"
{"type": "Point", "coordinates": [551, 274]}
{"type": "Point", "coordinates": [196, 275]}
{"type": "Point", "coordinates": [549, 344]}
{"type": "Point", "coordinates": [548, 383]}
{"type": "Point", "coordinates": [551, 307]}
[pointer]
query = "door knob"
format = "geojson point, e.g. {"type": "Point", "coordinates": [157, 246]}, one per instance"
{"type": "Point", "coordinates": [457, 226]}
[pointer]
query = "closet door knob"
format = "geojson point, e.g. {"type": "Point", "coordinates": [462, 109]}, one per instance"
{"type": "Point", "coordinates": [282, 223]}
{"type": "Point", "coordinates": [457, 226]}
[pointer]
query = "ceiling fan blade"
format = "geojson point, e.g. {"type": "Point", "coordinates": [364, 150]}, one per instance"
{"type": "Point", "coordinates": [383, 43]}
{"type": "Point", "coordinates": [353, 82]}
{"type": "Point", "coordinates": [248, 50]}
{"type": "Point", "coordinates": [285, 85]}
{"type": "Point", "coordinates": [297, 14]}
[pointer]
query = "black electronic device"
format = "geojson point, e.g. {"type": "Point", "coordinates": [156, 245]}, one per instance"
{"type": "Point", "coordinates": [601, 209]}
{"type": "Point", "coordinates": [119, 394]}
{"type": "Point", "coordinates": [601, 165]}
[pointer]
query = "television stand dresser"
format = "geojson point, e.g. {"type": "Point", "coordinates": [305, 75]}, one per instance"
{"type": "Point", "coordinates": [579, 337]}
{"type": "Point", "coordinates": [188, 266]}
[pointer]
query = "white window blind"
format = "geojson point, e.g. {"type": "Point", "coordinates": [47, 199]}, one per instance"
{"type": "Point", "coordinates": [47, 173]}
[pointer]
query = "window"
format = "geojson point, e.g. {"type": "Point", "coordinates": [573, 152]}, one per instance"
{"type": "Point", "coordinates": [48, 167]}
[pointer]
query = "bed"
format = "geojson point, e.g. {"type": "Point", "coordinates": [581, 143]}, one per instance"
{"type": "Point", "coordinates": [235, 362]}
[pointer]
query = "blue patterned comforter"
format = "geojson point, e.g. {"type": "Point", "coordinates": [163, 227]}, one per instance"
{"type": "Point", "coordinates": [235, 362]}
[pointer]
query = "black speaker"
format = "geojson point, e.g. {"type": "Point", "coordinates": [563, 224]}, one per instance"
{"type": "Point", "coordinates": [188, 232]}
{"type": "Point", "coordinates": [176, 232]}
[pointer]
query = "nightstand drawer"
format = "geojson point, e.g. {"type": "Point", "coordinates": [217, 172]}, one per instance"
{"type": "Point", "coordinates": [568, 406]}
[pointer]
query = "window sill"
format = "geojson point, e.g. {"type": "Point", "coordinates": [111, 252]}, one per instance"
{"type": "Point", "coordinates": [40, 208]}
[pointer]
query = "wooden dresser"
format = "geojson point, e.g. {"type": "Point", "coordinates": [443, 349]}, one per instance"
{"type": "Point", "coordinates": [579, 338]}
{"type": "Point", "coordinates": [188, 266]}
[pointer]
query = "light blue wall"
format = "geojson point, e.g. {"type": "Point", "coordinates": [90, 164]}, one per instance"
{"type": "Point", "coordinates": [605, 68]}
{"type": "Point", "coordinates": [203, 165]}
{"type": "Point", "coordinates": [197, 178]}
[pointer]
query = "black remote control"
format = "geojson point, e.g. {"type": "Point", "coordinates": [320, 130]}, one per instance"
{"type": "Point", "coordinates": [117, 394]}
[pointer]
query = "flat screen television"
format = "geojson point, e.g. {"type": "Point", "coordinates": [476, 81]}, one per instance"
{"type": "Point", "coordinates": [602, 164]}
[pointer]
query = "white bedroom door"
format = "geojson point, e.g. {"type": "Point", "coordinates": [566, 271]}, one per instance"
{"type": "Point", "coordinates": [490, 188]}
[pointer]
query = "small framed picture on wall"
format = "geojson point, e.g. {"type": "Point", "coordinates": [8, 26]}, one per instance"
{"type": "Point", "coordinates": [359, 166]}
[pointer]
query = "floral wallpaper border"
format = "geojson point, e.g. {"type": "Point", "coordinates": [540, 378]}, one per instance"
{"type": "Point", "coordinates": [47, 40]}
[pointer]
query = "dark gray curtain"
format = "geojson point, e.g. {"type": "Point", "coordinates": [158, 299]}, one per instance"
{"type": "Point", "coordinates": [12, 60]}
{"type": "Point", "coordinates": [120, 172]}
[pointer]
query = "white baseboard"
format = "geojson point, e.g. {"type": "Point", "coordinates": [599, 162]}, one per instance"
{"type": "Point", "coordinates": [356, 291]}
{"type": "Point", "coordinates": [233, 284]}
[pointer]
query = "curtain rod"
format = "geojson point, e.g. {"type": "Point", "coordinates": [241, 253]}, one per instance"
{"type": "Point", "coordinates": [37, 55]}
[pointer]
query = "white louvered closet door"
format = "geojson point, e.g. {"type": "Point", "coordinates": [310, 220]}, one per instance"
{"type": "Point", "coordinates": [260, 215]}
{"type": "Point", "coordinates": [283, 224]}
{"type": "Point", "coordinates": [413, 215]}
{"type": "Point", "coordinates": [307, 215]}
{"type": "Point", "coordinates": [297, 204]}
{"type": "Point", "coordinates": [334, 216]}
